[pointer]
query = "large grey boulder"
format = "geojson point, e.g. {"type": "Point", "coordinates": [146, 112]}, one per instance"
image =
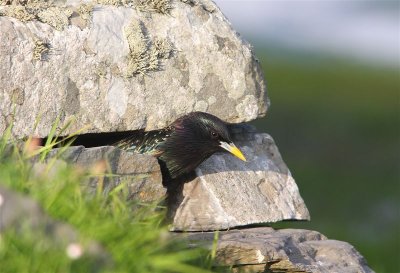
{"type": "Point", "coordinates": [288, 250]}
{"type": "Point", "coordinates": [132, 65]}
{"type": "Point", "coordinates": [229, 193]}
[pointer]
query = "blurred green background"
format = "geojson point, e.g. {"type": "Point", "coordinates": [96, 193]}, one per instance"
{"type": "Point", "coordinates": [332, 71]}
{"type": "Point", "coordinates": [336, 123]}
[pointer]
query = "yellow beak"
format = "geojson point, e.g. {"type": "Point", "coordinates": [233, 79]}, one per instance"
{"type": "Point", "coordinates": [232, 149]}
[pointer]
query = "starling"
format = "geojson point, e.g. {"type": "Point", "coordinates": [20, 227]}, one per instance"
{"type": "Point", "coordinates": [184, 144]}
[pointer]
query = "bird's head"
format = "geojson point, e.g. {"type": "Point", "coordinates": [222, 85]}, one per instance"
{"type": "Point", "coordinates": [196, 137]}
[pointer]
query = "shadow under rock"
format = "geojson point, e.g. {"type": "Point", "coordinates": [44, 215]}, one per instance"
{"type": "Point", "coordinates": [174, 188]}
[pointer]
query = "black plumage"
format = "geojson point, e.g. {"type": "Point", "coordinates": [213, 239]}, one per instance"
{"type": "Point", "coordinates": [186, 143]}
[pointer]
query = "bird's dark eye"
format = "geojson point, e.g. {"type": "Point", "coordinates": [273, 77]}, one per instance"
{"type": "Point", "coordinates": [214, 135]}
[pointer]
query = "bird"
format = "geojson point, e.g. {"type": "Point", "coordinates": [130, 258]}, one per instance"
{"type": "Point", "coordinates": [185, 143]}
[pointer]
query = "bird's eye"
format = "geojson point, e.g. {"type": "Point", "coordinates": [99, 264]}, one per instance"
{"type": "Point", "coordinates": [214, 135]}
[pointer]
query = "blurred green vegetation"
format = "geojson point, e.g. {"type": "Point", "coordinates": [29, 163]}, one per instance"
{"type": "Point", "coordinates": [336, 123]}
{"type": "Point", "coordinates": [133, 235]}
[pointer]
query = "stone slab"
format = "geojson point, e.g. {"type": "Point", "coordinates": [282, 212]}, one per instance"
{"type": "Point", "coordinates": [141, 173]}
{"type": "Point", "coordinates": [229, 193]}
{"type": "Point", "coordinates": [265, 249]}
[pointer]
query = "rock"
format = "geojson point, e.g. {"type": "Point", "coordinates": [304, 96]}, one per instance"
{"type": "Point", "coordinates": [288, 250]}
{"type": "Point", "coordinates": [141, 172]}
{"type": "Point", "coordinates": [19, 213]}
{"type": "Point", "coordinates": [225, 192]}
{"type": "Point", "coordinates": [230, 193]}
{"type": "Point", "coordinates": [117, 68]}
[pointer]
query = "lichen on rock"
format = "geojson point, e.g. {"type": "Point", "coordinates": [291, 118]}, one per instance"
{"type": "Point", "coordinates": [44, 11]}
{"type": "Point", "coordinates": [24, 2]}
{"type": "Point", "coordinates": [85, 11]}
{"type": "Point", "coordinates": [102, 69]}
{"type": "Point", "coordinates": [144, 55]}
{"type": "Point", "coordinates": [117, 3]}
{"type": "Point", "coordinates": [56, 17]}
{"type": "Point", "coordinates": [205, 4]}
{"type": "Point", "coordinates": [19, 12]}
{"type": "Point", "coordinates": [139, 60]}
{"type": "Point", "coordinates": [160, 6]}
{"type": "Point", "coordinates": [163, 48]}
{"type": "Point", "coordinates": [40, 49]}
{"type": "Point", "coordinates": [110, 2]}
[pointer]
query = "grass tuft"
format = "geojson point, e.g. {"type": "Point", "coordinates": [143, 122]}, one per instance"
{"type": "Point", "coordinates": [132, 234]}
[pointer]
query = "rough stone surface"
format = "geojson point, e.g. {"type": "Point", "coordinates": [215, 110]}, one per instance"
{"type": "Point", "coordinates": [140, 172]}
{"type": "Point", "coordinates": [116, 68]}
{"type": "Point", "coordinates": [19, 213]}
{"type": "Point", "coordinates": [287, 250]}
{"type": "Point", "coordinates": [229, 193]}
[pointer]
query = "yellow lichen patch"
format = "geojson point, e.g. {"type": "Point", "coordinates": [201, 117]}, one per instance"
{"type": "Point", "coordinates": [144, 56]}
{"type": "Point", "coordinates": [34, 7]}
{"type": "Point", "coordinates": [110, 2]}
{"type": "Point", "coordinates": [126, 3]}
{"type": "Point", "coordinates": [23, 2]}
{"type": "Point", "coordinates": [44, 11]}
{"type": "Point", "coordinates": [160, 6]}
{"type": "Point", "coordinates": [136, 38]}
{"type": "Point", "coordinates": [19, 12]}
{"type": "Point", "coordinates": [11, 2]}
{"type": "Point", "coordinates": [41, 48]}
{"type": "Point", "coordinates": [163, 48]}
{"type": "Point", "coordinates": [85, 11]}
{"type": "Point", "coordinates": [140, 59]}
{"type": "Point", "coordinates": [56, 17]}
